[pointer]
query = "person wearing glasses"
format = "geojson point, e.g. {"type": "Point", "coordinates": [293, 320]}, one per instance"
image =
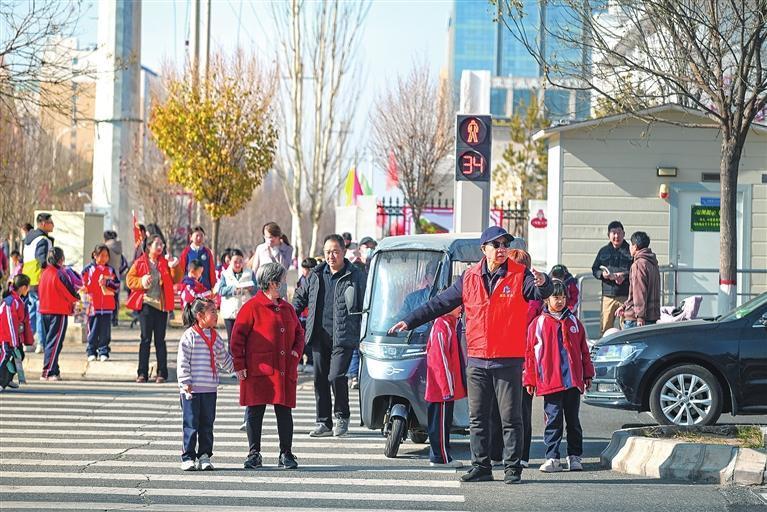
{"type": "Point", "coordinates": [494, 294]}
{"type": "Point", "coordinates": [333, 292]}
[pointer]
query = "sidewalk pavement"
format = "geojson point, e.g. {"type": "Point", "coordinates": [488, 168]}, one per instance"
{"type": "Point", "coordinates": [123, 360]}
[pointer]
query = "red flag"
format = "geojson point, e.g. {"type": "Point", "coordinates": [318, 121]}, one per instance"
{"type": "Point", "coordinates": [137, 238]}
{"type": "Point", "coordinates": [392, 176]}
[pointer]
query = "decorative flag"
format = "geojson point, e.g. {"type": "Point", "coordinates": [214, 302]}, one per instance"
{"type": "Point", "coordinates": [366, 188]}
{"type": "Point", "coordinates": [392, 176]}
{"type": "Point", "coordinates": [352, 187]}
{"type": "Point", "coordinates": [137, 238]}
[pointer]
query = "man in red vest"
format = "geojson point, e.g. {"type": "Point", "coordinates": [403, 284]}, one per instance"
{"type": "Point", "coordinates": [494, 295]}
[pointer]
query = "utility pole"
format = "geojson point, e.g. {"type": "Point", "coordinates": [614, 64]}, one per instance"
{"type": "Point", "coordinates": [199, 54]}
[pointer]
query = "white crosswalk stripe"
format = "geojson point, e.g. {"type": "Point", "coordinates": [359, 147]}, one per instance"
{"type": "Point", "coordinates": [81, 446]}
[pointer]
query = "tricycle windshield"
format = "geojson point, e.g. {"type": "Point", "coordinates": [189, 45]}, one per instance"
{"type": "Point", "coordinates": [402, 281]}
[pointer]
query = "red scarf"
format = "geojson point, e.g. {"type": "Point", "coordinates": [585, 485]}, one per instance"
{"type": "Point", "coordinates": [209, 342]}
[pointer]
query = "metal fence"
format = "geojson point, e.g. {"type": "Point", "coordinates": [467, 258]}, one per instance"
{"type": "Point", "coordinates": [672, 294]}
{"type": "Point", "coordinates": [394, 216]}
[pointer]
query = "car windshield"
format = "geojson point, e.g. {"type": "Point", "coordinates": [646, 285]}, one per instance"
{"type": "Point", "coordinates": [403, 280]}
{"type": "Point", "coordinates": [745, 309]}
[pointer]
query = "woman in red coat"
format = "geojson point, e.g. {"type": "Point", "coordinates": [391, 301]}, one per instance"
{"type": "Point", "coordinates": [267, 339]}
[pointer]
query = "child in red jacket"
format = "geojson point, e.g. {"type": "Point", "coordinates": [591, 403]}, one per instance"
{"type": "Point", "coordinates": [444, 385]}
{"type": "Point", "coordinates": [15, 331]}
{"type": "Point", "coordinates": [558, 367]}
{"type": "Point", "coordinates": [192, 286]}
{"type": "Point", "coordinates": [57, 302]}
{"type": "Point", "coordinates": [101, 283]}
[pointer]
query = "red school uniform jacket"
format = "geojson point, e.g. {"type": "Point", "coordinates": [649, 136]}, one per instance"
{"type": "Point", "coordinates": [192, 288]}
{"type": "Point", "coordinates": [57, 295]}
{"type": "Point", "coordinates": [101, 302]}
{"type": "Point", "coordinates": [14, 322]}
{"type": "Point", "coordinates": [557, 356]}
{"type": "Point", "coordinates": [444, 378]}
{"type": "Point", "coordinates": [263, 337]}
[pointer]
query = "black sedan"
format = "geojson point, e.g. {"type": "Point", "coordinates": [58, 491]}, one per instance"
{"type": "Point", "coordinates": [686, 373]}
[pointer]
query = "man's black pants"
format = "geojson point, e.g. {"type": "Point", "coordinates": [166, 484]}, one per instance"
{"type": "Point", "coordinates": [504, 386]}
{"type": "Point", "coordinates": [330, 366]}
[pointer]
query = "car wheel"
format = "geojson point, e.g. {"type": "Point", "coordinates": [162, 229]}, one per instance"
{"type": "Point", "coordinates": [686, 395]}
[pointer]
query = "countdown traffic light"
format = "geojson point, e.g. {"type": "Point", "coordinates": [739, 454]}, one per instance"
{"type": "Point", "coordinates": [473, 140]}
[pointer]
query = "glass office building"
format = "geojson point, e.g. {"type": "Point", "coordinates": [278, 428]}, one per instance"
{"type": "Point", "coordinates": [478, 42]}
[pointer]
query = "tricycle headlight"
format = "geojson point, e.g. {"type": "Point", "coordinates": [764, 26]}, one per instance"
{"type": "Point", "coordinates": [382, 351]}
{"type": "Point", "coordinates": [617, 353]}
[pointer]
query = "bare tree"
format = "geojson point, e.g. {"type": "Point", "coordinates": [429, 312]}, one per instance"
{"type": "Point", "coordinates": [709, 55]}
{"type": "Point", "coordinates": [31, 34]}
{"type": "Point", "coordinates": [319, 45]}
{"type": "Point", "coordinates": [412, 127]}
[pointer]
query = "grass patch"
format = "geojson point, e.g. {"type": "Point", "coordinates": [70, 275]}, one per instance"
{"type": "Point", "coordinates": [748, 436]}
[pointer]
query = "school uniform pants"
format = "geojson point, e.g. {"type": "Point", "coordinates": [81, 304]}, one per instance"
{"type": "Point", "coordinates": [558, 409]}
{"type": "Point", "coordinates": [153, 324]}
{"type": "Point", "coordinates": [504, 386]}
{"type": "Point", "coordinates": [55, 329]}
{"type": "Point", "coordinates": [99, 334]}
{"type": "Point", "coordinates": [6, 355]}
{"type": "Point", "coordinates": [198, 415]}
{"type": "Point", "coordinates": [254, 415]}
{"type": "Point", "coordinates": [440, 416]}
{"type": "Point", "coordinates": [330, 367]}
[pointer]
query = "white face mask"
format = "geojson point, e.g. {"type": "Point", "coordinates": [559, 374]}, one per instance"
{"type": "Point", "coordinates": [365, 252]}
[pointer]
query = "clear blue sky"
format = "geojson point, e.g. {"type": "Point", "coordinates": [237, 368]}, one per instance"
{"type": "Point", "coordinates": [397, 32]}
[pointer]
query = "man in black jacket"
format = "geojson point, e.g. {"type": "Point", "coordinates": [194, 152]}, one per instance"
{"type": "Point", "coordinates": [333, 292]}
{"type": "Point", "coordinates": [611, 266]}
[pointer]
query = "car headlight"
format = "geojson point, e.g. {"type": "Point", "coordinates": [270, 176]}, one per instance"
{"type": "Point", "coordinates": [382, 351]}
{"type": "Point", "coordinates": [617, 353]}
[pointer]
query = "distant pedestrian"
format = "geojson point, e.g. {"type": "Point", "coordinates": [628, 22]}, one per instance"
{"type": "Point", "coordinates": [236, 287]}
{"type": "Point", "coordinates": [266, 344]}
{"type": "Point", "coordinates": [120, 265]}
{"type": "Point", "coordinates": [14, 265]}
{"type": "Point", "coordinates": [151, 285]}
{"type": "Point", "coordinates": [643, 304]}
{"type": "Point", "coordinates": [57, 301]}
{"type": "Point", "coordinates": [37, 244]}
{"type": "Point", "coordinates": [223, 262]}
{"type": "Point", "coordinates": [201, 353]}
{"type": "Point", "coordinates": [273, 250]}
{"type": "Point", "coordinates": [100, 283]}
{"type": "Point", "coordinates": [611, 266]}
{"type": "Point", "coordinates": [561, 273]}
{"type": "Point", "coordinates": [196, 250]}
{"type": "Point", "coordinates": [333, 293]}
{"type": "Point", "coordinates": [367, 247]}
{"type": "Point", "coordinates": [15, 331]}
{"type": "Point", "coordinates": [558, 367]}
{"type": "Point", "coordinates": [444, 385]}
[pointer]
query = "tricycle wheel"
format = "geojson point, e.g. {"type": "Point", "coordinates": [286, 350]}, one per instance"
{"type": "Point", "coordinates": [395, 437]}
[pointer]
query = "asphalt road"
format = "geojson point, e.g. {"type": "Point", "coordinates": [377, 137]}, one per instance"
{"type": "Point", "coordinates": [109, 446]}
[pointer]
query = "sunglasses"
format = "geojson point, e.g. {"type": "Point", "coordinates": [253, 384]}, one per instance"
{"type": "Point", "coordinates": [497, 244]}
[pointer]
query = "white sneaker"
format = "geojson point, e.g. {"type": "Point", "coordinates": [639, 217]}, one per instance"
{"type": "Point", "coordinates": [188, 465]}
{"type": "Point", "coordinates": [91, 358]}
{"type": "Point", "coordinates": [455, 463]}
{"type": "Point", "coordinates": [551, 466]}
{"type": "Point", "coordinates": [203, 464]}
{"type": "Point", "coordinates": [104, 358]}
{"type": "Point", "coordinates": [39, 349]}
{"type": "Point", "coordinates": [574, 463]}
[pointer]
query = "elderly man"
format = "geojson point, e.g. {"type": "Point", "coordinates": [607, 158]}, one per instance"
{"type": "Point", "coordinates": [333, 292]}
{"type": "Point", "coordinates": [494, 294]}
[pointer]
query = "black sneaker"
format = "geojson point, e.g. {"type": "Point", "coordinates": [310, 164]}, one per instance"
{"type": "Point", "coordinates": [477, 474]}
{"type": "Point", "coordinates": [253, 461]}
{"type": "Point", "coordinates": [287, 460]}
{"type": "Point", "coordinates": [513, 477]}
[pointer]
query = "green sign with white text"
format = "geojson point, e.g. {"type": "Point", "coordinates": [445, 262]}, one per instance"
{"type": "Point", "coordinates": [704, 218]}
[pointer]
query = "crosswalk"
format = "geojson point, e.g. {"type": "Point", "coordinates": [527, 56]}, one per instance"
{"type": "Point", "coordinates": [110, 446]}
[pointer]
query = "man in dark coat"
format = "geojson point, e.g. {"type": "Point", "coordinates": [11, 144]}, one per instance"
{"type": "Point", "coordinates": [611, 266]}
{"type": "Point", "coordinates": [333, 292]}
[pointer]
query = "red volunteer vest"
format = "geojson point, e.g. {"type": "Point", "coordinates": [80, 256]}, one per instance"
{"type": "Point", "coordinates": [495, 324]}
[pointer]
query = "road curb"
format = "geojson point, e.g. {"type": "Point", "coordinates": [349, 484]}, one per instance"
{"type": "Point", "coordinates": [632, 451]}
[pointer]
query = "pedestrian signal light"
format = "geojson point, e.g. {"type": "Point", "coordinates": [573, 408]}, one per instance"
{"type": "Point", "coordinates": [472, 147]}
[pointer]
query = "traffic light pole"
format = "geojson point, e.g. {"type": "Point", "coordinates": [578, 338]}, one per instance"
{"type": "Point", "coordinates": [473, 142]}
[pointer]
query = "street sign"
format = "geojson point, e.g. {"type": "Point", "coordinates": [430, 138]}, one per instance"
{"type": "Point", "coordinates": [704, 218]}
{"type": "Point", "coordinates": [473, 143]}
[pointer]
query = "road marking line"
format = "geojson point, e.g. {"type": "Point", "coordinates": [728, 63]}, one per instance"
{"type": "Point", "coordinates": [230, 493]}
{"type": "Point", "coordinates": [369, 437]}
{"type": "Point", "coordinates": [243, 443]}
{"type": "Point", "coordinates": [202, 477]}
{"type": "Point", "coordinates": [163, 507]}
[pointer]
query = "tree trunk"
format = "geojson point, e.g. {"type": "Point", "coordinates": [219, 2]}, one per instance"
{"type": "Point", "coordinates": [295, 229]}
{"type": "Point", "coordinates": [728, 230]}
{"type": "Point", "coordinates": [214, 241]}
{"type": "Point", "coordinates": [315, 235]}
{"type": "Point", "coordinates": [417, 221]}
